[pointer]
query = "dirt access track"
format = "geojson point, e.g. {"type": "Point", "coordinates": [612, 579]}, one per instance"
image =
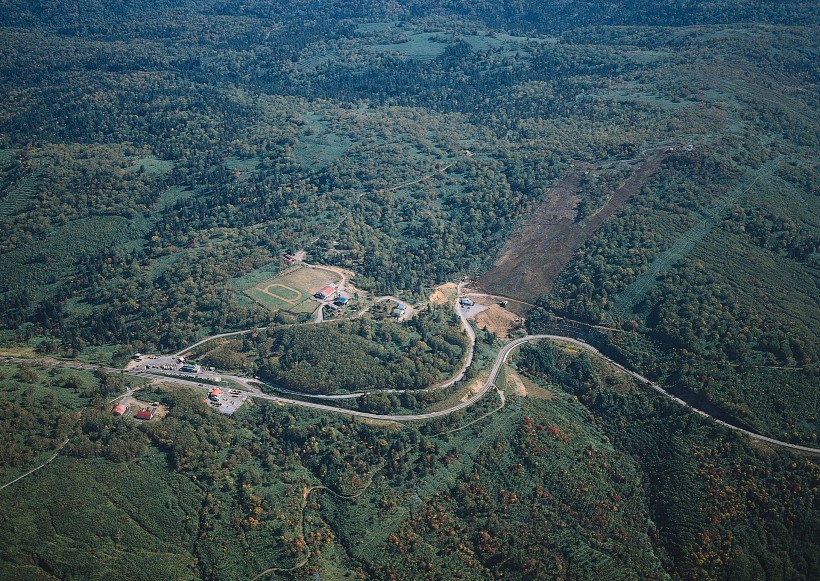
{"type": "Point", "coordinates": [532, 259]}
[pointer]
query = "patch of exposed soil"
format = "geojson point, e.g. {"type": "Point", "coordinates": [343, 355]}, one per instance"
{"type": "Point", "coordinates": [409, 313]}
{"type": "Point", "coordinates": [134, 405]}
{"type": "Point", "coordinates": [473, 389]}
{"type": "Point", "coordinates": [444, 294]}
{"type": "Point", "coordinates": [536, 254]}
{"type": "Point", "coordinates": [535, 391]}
{"type": "Point", "coordinates": [514, 381]}
{"type": "Point", "coordinates": [497, 320]}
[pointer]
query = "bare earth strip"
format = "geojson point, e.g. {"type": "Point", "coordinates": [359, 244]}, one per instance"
{"type": "Point", "coordinates": [536, 254]}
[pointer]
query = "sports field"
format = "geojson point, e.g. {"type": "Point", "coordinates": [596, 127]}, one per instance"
{"type": "Point", "coordinates": [292, 290]}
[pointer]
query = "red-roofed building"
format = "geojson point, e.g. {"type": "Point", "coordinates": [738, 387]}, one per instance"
{"type": "Point", "coordinates": [146, 414]}
{"type": "Point", "coordinates": [325, 292]}
{"type": "Point", "coordinates": [119, 409]}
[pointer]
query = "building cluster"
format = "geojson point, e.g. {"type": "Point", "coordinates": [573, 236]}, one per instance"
{"type": "Point", "coordinates": [326, 293]}
{"type": "Point", "coordinates": [332, 298]}
{"type": "Point", "coordinates": [146, 413]}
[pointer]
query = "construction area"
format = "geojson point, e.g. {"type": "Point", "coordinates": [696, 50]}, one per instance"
{"type": "Point", "coordinates": [494, 315]}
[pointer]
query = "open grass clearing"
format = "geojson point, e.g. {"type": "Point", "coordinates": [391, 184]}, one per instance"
{"type": "Point", "coordinates": [292, 290]}
{"type": "Point", "coordinates": [172, 195]}
{"type": "Point", "coordinates": [417, 46]}
{"type": "Point", "coordinates": [152, 165]}
{"type": "Point", "coordinates": [45, 382]}
{"type": "Point", "coordinates": [318, 145]}
{"type": "Point", "coordinates": [242, 168]}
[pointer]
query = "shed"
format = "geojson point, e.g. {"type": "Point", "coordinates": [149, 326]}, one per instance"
{"type": "Point", "coordinates": [119, 409]}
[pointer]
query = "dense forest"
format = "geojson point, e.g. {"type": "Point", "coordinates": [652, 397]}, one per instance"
{"type": "Point", "coordinates": [361, 356]}
{"type": "Point", "coordinates": [155, 155]}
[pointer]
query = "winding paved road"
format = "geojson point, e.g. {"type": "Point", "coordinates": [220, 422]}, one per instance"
{"type": "Point", "coordinates": [677, 400]}
{"type": "Point", "coordinates": [490, 383]}
{"type": "Point", "coordinates": [251, 385]}
{"type": "Point", "coordinates": [459, 375]}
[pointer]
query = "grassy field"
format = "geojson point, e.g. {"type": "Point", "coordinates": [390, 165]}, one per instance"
{"type": "Point", "coordinates": [44, 382]}
{"type": "Point", "coordinates": [172, 195]}
{"type": "Point", "coordinates": [418, 46]}
{"type": "Point", "coordinates": [292, 290]}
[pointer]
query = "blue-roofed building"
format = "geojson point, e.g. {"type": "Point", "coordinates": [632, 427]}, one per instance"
{"type": "Point", "coordinates": [399, 310]}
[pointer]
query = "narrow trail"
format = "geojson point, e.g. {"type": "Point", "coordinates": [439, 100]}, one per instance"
{"type": "Point", "coordinates": [305, 494]}
{"type": "Point", "coordinates": [419, 180]}
{"type": "Point", "coordinates": [215, 337]}
{"type": "Point", "coordinates": [33, 470]}
{"type": "Point", "coordinates": [708, 218]}
{"type": "Point", "coordinates": [657, 388]}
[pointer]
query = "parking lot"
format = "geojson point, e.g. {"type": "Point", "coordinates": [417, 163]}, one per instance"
{"type": "Point", "coordinates": [230, 401]}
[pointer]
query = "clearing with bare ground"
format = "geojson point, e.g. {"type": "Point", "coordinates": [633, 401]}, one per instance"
{"type": "Point", "coordinates": [536, 254]}
{"type": "Point", "coordinates": [498, 320]}
{"type": "Point", "coordinates": [534, 390]}
{"type": "Point", "coordinates": [514, 382]}
{"type": "Point", "coordinates": [133, 405]}
{"type": "Point", "coordinates": [473, 389]}
{"type": "Point", "coordinates": [444, 294]}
